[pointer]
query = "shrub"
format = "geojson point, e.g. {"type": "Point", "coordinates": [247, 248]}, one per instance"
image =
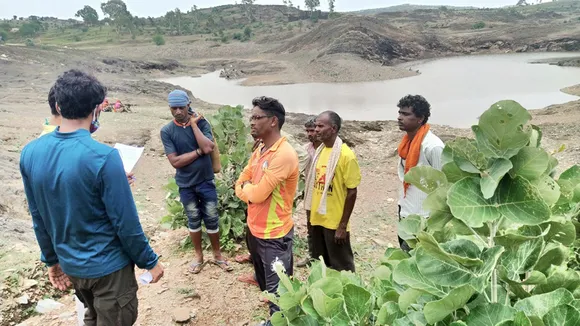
{"type": "Point", "coordinates": [478, 25]}
{"type": "Point", "coordinates": [29, 42]}
{"type": "Point", "coordinates": [237, 36]}
{"type": "Point", "coordinates": [230, 133]}
{"type": "Point", "coordinates": [494, 250]}
{"type": "Point", "coordinates": [159, 40]}
{"type": "Point", "coordinates": [225, 39]}
{"type": "Point", "coordinates": [3, 35]}
{"type": "Point", "coordinates": [77, 38]}
{"type": "Point", "coordinates": [248, 32]}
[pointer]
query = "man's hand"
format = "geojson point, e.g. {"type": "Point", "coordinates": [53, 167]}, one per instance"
{"type": "Point", "coordinates": [157, 272]}
{"type": "Point", "coordinates": [246, 183]}
{"type": "Point", "coordinates": [195, 119]}
{"type": "Point", "coordinates": [130, 177]}
{"type": "Point", "coordinates": [58, 278]}
{"type": "Point", "coordinates": [340, 235]}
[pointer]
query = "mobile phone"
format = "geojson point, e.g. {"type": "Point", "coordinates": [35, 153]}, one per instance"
{"type": "Point", "coordinates": [190, 111]}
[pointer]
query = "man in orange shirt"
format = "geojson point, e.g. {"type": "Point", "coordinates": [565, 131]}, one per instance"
{"type": "Point", "coordinates": [268, 185]}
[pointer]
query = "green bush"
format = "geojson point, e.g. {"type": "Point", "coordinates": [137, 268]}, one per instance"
{"type": "Point", "coordinates": [4, 35]}
{"type": "Point", "coordinates": [494, 250]}
{"type": "Point", "coordinates": [229, 131]}
{"type": "Point", "coordinates": [77, 38]}
{"type": "Point", "coordinates": [248, 32]}
{"type": "Point", "coordinates": [29, 42]}
{"type": "Point", "coordinates": [159, 40]}
{"type": "Point", "coordinates": [237, 36]}
{"type": "Point", "coordinates": [478, 25]}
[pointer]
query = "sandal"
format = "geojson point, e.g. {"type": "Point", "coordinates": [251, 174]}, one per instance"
{"type": "Point", "coordinates": [196, 267]}
{"type": "Point", "coordinates": [223, 264]}
{"type": "Point", "coordinates": [242, 259]}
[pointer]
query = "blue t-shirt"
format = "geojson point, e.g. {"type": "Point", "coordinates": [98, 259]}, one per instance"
{"type": "Point", "coordinates": [181, 140]}
{"type": "Point", "coordinates": [82, 207]}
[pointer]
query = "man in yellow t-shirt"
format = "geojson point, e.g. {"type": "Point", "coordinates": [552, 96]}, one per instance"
{"type": "Point", "coordinates": [331, 190]}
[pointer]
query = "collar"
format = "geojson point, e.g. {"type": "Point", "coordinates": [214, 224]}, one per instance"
{"type": "Point", "coordinates": [179, 124]}
{"type": "Point", "coordinates": [81, 132]}
{"type": "Point", "coordinates": [274, 147]}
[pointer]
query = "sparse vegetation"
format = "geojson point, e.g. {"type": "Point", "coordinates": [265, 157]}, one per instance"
{"type": "Point", "coordinates": [159, 40]}
{"type": "Point", "coordinates": [478, 25]}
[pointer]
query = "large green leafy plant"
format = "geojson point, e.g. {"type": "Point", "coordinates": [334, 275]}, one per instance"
{"type": "Point", "coordinates": [494, 250]}
{"type": "Point", "coordinates": [231, 134]}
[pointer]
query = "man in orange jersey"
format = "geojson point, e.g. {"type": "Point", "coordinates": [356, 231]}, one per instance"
{"type": "Point", "coordinates": [268, 185]}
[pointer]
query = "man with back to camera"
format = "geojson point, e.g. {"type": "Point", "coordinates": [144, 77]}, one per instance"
{"type": "Point", "coordinates": [331, 190]}
{"type": "Point", "coordinates": [268, 184]}
{"type": "Point", "coordinates": [84, 216]}
{"type": "Point", "coordinates": [419, 147]}
{"type": "Point", "coordinates": [188, 142]}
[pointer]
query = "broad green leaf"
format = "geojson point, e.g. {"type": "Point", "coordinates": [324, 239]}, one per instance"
{"type": "Point", "coordinates": [490, 258]}
{"type": "Point", "coordinates": [491, 177]}
{"type": "Point", "coordinates": [330, 286]}
{"type": "Point", "coordinates": [521, 258]}
{"type": "Point", "coordinates": [304, 321]}
{"type": "Point", "coordinates": [347, 277]}
{"type": "Point", "coordinates": [308, 307]}
{"type": "Point", "coordinates": [278, 319]}
{"type": "Point", "coordinates": [326, 306]}
{"type": "Point", "coordinates": [564, 233]}
{"type": "Point", "coordinates": [315, 272]}
{"type": "Point", "coordinates": [462, 251]}
{"type": "Point", "coordinates": [548, 189]}
{"type": "Point", "coordinates": [520, 202]}
{"type": "Point", "coordinates": [408, 227]}
{"type": "Point", "coordinates": [539, 305]}
{"type": "Point", "coordinates": [454, 173]}
{"type": "Point", "coordinates": [530, 163]}
{"type": "Point", "coordinates": [536, 137]}
{"type": "Point", "coordinates": [468, 204]}
{"type": "Point", "coordinates": [382, 273]}
{"type": "Point", "coordinates": [519, 236]}
{"type": "Point", "coordinates": [458, 323]}
{"type": "Point", "coordinates": [426, 178]}
{"type": "Point", "coordinates": [490, 315]}
{"type": "Point", "coordinates": [408, 298]}
{"type": "Point", "coordinates": [439, 212]}
{"type": "Point", "coordinates": [358, 303]}
{"type": "Point", "coordinates": [568, 180]}
{"type": "Point", "coordinates": [501, 131]}
{"type": "Point", "coordinates": [388, 313]}
{"type": "Point", "coordinates": [559, 278]}
{"type": "Point", "coordinates": [466, 155]}
{"type": "Point", "coordinates": [441, 269]}
{"type": "Point", "coordinates": [564, 315]}
{"type": "Point", "coordinates": [553, 254]}
{"type": "Point", "coordinates": [552, 164]}
{"type": "Point", "coordinates": [393, 256]}
{"type": "Point", "coordinates": [407, 273]}
{"type": "Point", "coordinates": [519, 320]}
{"type": "Point", "coordinates": [436, 311]}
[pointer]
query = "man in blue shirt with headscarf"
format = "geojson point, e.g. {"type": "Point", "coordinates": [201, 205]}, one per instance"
{"type": "Point", "coordinates": [84, 216]}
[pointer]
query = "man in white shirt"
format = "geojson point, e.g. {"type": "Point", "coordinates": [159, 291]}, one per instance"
{"type": "Point", "coordinates": [419, 147]}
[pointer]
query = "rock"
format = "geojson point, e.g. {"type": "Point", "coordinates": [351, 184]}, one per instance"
{"type": "Point", "coordinates": [181, 315]}
{"type": "Point", "coordinates": [23, 300]}
{"type": "Point", "coordinates": [28, 284]}
{"type": "Point", "coordinates": [47, 305]}
{"type": "Point", "coordinates": [380, 242]}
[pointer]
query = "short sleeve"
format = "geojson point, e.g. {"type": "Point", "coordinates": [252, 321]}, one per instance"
{"type": "Point", "coordinates": [168, 145]}
{"type": "Point", "coordinates": [351, 172]}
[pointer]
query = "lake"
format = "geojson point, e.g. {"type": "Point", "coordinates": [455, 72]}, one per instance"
{"type": "Point", "coordinates": [458, 88]}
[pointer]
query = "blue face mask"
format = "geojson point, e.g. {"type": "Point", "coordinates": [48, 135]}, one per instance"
{"type": "Point", "coordinates": [95, 123]}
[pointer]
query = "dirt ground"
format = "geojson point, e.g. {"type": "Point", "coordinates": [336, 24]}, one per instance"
{"type": "Point", "coordinates": [25, 78]}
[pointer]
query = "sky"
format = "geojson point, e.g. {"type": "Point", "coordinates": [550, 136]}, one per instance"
{"type": "Point", "coordinates": [155, 8]}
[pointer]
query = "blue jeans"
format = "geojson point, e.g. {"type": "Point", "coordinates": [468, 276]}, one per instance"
{"type": "Point", "coordinates": [200, 203]}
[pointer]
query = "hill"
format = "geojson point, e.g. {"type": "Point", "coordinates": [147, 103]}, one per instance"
{"type": "Point", "coordinates": [406, 7]}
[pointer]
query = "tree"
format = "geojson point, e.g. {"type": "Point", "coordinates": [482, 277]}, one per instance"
{"type": "Point", "coordinates": [331, 6]}
{"type": "Point", "coordinates": [178, 20]}
{"type": "Point", "coordinates": [312, 5]}
{"type": "Point", "coordinates": [14, 17]}
{"type": "Point", "coordinates": [249, 9]}
{"type": "Point", "coordinates": [121, 17]}
{"type": "Point", "coordinates": [89, 15]}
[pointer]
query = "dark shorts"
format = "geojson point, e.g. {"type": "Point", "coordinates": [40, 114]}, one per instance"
{"type": "Point", "coordinates": [336, 256]}
{"type": "Point", "coordinates": [110, 300]}
{"type": "Point", "coordinates": [200, 203]}
{"type": "Point", "coordinates": [265, 252]}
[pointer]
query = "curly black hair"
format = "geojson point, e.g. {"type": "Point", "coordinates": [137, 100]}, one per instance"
{"type": "Point", "coordinates": [52, 102]}
{"type": "Point", "coordinates": [421, 108]}
{"type": "Point", "coordinates": [272, 106]}
{"type": "Point", "coordinates": [78, 94]}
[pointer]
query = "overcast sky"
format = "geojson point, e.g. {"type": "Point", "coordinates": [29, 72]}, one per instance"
{"type": "Point", "coordinates": [155, 8]}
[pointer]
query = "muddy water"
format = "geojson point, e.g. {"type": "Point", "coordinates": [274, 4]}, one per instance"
{"type": "Point", "coordinates": [459, 89]}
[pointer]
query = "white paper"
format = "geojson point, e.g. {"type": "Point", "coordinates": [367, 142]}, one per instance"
{"type": "Point", "coordinates": [130, 155]}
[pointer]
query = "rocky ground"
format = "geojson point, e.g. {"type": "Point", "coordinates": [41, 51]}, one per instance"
{"type": "Point", "coordinates": [215, 297]}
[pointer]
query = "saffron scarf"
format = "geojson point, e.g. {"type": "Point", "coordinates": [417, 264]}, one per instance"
{"type": "Point", "coordinates": [410, 150]}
